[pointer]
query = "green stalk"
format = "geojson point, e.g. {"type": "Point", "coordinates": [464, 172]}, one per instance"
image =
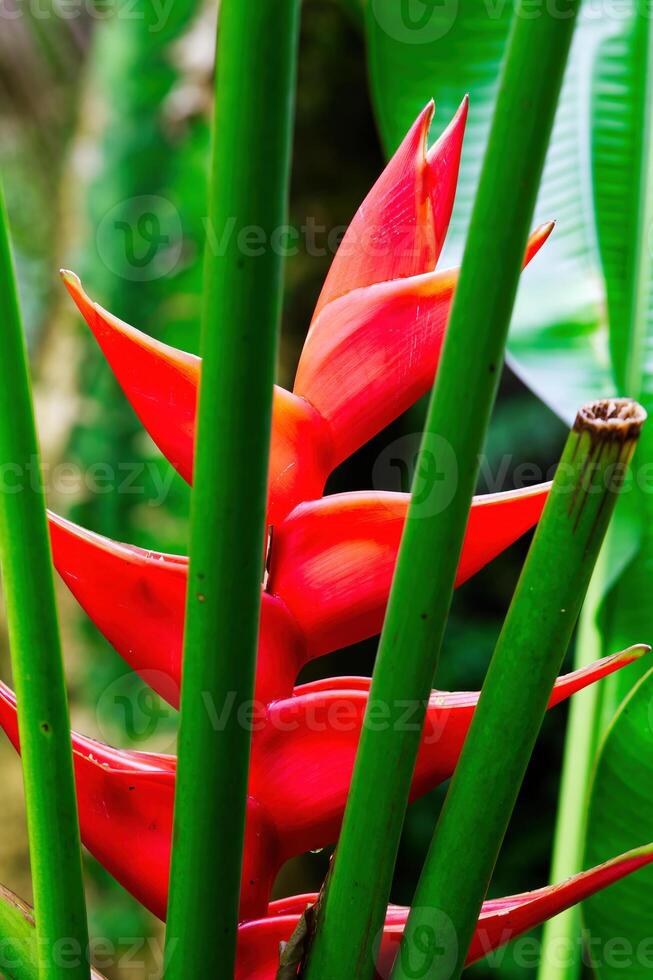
{"type": "Point", "coordinates": [353, 905]}
{"type": "Point", "coordinates": [256, 68]}
{"type": "Point", "coordinates": [43, 720]}
{"type": "Point", "coordinates": [561, 937]}
{"type": "Point", "coordinates": [527, 658]}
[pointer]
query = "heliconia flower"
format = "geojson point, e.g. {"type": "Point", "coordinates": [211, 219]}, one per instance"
{"type": "Point", "coordinates": [373, 346]}
{"type": "Point", "coordinates": [330, 568]}
{"type": "Point", "coordinates": [303, 751]}
{"type": "Point", "coordinates": [501, 919]}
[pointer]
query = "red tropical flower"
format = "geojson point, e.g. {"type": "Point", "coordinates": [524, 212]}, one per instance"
{"type": "Point", "coordinates": [373, 345]}
{"type": "Point", "coordinates": [303, 750]}
{"type": "Point", "coordinates": [331, 565]}
{"type": "Point", "coordinates": [372, 349]}
{"type": "Point", "coordinates": [501, 919]}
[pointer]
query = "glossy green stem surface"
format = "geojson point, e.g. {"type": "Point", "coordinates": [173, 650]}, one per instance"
{"type": "Point", "coordinates": [526, 661]}
{"type": "Point", "coordinates": [354, 903]}
{"type": "Point", "coordinates": [561, 938]}
{"type": "Point", "coordinates": [43, 720]}
{"type": "Point", "coordinates": [255, 85]}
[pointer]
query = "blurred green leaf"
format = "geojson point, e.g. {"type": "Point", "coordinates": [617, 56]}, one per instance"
{"type": "Point", "coordinates": [583, 321]}
{"type": "Point", "coordinates": [621, 817]}
{"type": "Point", "coordinates": [355, 9]}
{"type": "Point", "coordinates": [591, 185]}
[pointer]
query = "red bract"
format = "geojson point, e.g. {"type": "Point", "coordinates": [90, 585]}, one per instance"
{"type": "Point", "coordinates": [500, 921]}
{"type": "Point", "coordinates": [303, 750]}
{"type": "Point", "coordinates": [331, 564]}
{"type": "Point", "coordinates": [372, 349]}
{"type": "Point", "coordinates": [373, 345]}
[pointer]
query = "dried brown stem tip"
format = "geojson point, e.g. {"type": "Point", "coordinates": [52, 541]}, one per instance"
{"type": "Point", "coordinates": [611, 419]}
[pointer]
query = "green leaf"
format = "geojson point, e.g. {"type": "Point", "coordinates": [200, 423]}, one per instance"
{"type": "Point", "coordinates": [621, 816]}
{"type": "Point", "coordinates": [560, 338]}
{"type": "Point", "coordinates": [583, 323]}
{"type": "Point", "coordinates": [626, 104]}
{"type": "Point", "coordinates": [19, 959]}
{"type": "Point", "coordinates": [355, 9]}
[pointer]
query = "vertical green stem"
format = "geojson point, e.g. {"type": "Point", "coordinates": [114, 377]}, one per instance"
{"type": "Point", "coordinates": [354, 902]}
{"type": "Point", "coordinates": [561, 938]}
{"type": "Point", "coordinates": [256, 68]}
{"type": "Point", "coordinates": [37, 665]}
{"type": "Point", "coordinates": [516, 691]}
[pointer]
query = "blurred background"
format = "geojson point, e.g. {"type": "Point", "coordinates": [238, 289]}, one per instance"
{"type": "Point", "coordinates": [104, 136]}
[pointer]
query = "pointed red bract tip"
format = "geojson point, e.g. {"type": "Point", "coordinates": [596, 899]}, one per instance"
{"type": "Point", "coordinates": [537, 240]}
{"type": "Point", "coordinates": [501, 920]}
{"type": "Point", "coordinates": [161, 384]}
{"type": "Point", "coordinates": [570, 684]}
{"type": "Point", "coordinates": [372, 353]}
{"type": "Point", "coordinates": [392, 234]}
{"type": "Point", "coordinates": [160, 381]}
{"type": "Point", "coordinates": [443, 161]}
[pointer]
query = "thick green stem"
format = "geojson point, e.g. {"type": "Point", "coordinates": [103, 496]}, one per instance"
{"type": "Point", "coordinates": [43, 720]}
{"type": "Point", "coordinates": [353, 906]}
{"type": "Point", "coordinates": [256, 68]}
{"type": "Point", "coordinates": [562, 935]}
{"type": "Point", "coordinates": [516, 691]}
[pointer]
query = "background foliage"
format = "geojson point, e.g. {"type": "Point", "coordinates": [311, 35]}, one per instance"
{"type": "Point", "coordinates": [123, 133]}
